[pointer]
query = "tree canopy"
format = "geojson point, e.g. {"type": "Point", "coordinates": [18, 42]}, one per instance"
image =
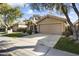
{"type": "Point", "coordinates": [9, 14]}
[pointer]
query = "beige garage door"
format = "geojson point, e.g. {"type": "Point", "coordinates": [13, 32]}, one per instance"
{"type": "Point", "coordinates": [51, 28]}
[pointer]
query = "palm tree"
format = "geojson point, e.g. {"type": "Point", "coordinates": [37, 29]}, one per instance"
{"type": "Point", "coordinates": [34, 20]}
{"type": "Point", "coordinates": [60, 7]}
{"type": "Point", "coordinates": [29, 24]}
{"type": "Point", "coordinates": [9, 15]}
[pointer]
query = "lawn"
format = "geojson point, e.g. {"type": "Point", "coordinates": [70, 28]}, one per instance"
{"type": "Point", "coordinates": [66, 44]}
{"type": "Point", "coordinates": [15, 34]}
{"type": "Point", "coordinates": [2, 32]}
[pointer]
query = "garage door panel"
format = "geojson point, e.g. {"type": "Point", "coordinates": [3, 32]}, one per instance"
{"type": "Point", "coordinates": [51, 28]}
{"type": "Point", "coordinates": [45, 29]}
{"type": "Point", "coordinates": [56, 28]}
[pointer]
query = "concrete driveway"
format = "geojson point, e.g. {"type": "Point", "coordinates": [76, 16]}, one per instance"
{"type": "Point", "coordinates": [33, 40]}
{"type": "Point", "coordinates": [46, 39]}
{"type": "Point", "coordinates": [30, 42]}
{"type": "Point", "coordinates": [33, 45]}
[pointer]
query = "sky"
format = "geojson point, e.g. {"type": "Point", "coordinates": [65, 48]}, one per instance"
{"type": "Point", "coordinates": [28, 12]}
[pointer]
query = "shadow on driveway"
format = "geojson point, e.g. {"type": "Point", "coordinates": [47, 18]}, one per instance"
{"type": "Point", "coordinates": [8, 45]}
{"type": "Point", "coordinates": [15, 48]}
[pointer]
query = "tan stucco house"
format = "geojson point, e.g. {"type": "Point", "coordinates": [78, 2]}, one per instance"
{"type": "Point", "coordinates": [51, 25]}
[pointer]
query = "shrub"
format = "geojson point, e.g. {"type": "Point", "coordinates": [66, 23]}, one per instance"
{"type": "Point", "coordinates": [15, 34]}
{"type": "Point", "coordinates": [29, 32]}
{"type": "Point", "coordinates": [2, 29]}
{"type": "Point", "coordinates": [68, 31]}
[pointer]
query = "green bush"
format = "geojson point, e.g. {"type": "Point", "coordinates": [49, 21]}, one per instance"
{"type": "Point", "coordinates": [29, 32]}
{"type": "Point", "coordinates": [68, 31]}
{"type": "Point", "coordinates": [15, 34]}
{"type": "Point", "coordinates": [2, 29]}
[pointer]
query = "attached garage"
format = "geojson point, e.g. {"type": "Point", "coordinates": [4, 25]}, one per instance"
{"type": "Point", "coordinates": [51, 25]}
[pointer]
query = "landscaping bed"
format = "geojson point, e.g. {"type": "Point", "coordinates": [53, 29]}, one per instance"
{"type": "Point", "coordinates": [15, 34]}
{"type": "Point", "coordinates": [66, 44]}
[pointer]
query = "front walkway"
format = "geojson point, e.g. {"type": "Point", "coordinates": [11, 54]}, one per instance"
{"type": "Point", "coordinates": [32, 45]}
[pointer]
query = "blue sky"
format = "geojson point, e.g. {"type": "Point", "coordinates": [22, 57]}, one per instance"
{"type": "Point", "coordinates": [28, 12]}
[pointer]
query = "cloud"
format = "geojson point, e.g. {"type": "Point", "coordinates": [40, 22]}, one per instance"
{"type": "Point", "coordinates": [30, 11]}
{"type": "Point", "coordinates": [27, 11]}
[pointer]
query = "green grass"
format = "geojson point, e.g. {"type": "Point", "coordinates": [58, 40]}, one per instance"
{"type": "Point", "coordinates": [15, 34]}
{"type": "Point", "coordinates": [2, 32]}
{"type": "Point", "coordinates": [66, 44]}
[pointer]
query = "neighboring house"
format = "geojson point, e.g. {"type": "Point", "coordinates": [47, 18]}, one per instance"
{"type": "Point", "coordinates": [51, 25]}
{"type": "Point", "coordinates": [20, 25]}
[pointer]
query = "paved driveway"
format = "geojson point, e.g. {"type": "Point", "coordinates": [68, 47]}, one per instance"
{"type": "Point", "coordinates": [37, 44]}
{"type": "Point", "coordinates": [29, 42]}
{"type": "Point", "coordinates": [46, 39]}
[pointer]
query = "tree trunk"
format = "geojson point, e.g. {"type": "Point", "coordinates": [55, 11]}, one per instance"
{"type": "Point", "coordinates": [75, 9]}
{"type": "Point", "coordinates": [6, 29]}
{"type": "Point", "coordinates": [75, 36]}
{"type": "Point", "coordinates": [5, 19]}
{"type": "Point", "coordinates": [77, 12]}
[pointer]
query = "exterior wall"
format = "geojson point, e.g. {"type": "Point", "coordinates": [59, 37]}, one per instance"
{"type": "Point", "coordinates": [22, 26]}
{"type": "Point", "coordinates": [51, 22]}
